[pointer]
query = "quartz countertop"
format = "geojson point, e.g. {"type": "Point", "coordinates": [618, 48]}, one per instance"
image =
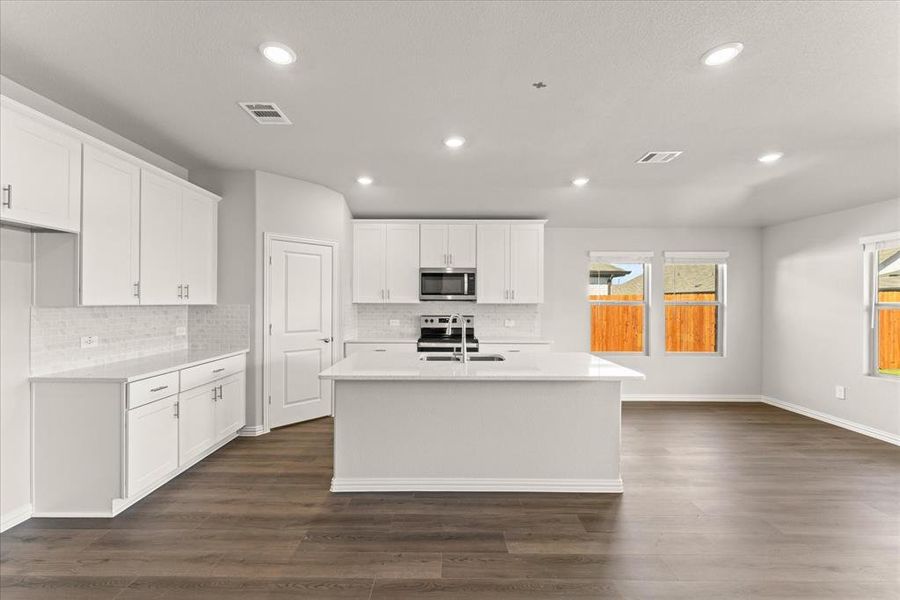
{"type": "Point", "coordinates": [140, 368]}
{"type": "Point", "coordinates": [529, 366]}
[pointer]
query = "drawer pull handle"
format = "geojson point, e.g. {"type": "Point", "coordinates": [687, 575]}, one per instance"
{"type": "Point", "coordinates": [219, 370]}
{"type": "Point", "coordinates": [381, 350]}
{"type": "Point", "coordinates": [156, 389]}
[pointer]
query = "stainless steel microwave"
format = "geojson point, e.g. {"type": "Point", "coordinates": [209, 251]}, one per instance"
{"type": "Point", "coordinates": [447, 284]}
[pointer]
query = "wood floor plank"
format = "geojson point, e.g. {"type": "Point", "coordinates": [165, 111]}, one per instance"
{"type": "Point", "coordinates": [741, 501]}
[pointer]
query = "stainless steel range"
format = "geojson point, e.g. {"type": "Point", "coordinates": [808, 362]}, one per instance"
{"type": "Point", "coordinates": [437, 337]}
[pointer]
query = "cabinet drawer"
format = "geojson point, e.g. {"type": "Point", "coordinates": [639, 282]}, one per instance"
{"type": "Point", "coordinates": [194, 376]}
{"type": "Point", "coordinates": [495, 348]}
{"type": "Point", "coordinates": [147, 390]}
{"type": "Point", "coordinates": [354, 347]}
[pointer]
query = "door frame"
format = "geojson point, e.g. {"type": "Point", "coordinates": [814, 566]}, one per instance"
{"type": "Point", "coordinates": [336, 315]}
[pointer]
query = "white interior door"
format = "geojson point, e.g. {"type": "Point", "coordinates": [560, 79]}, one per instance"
{"type": "Point", "coordinates": [300, 331]}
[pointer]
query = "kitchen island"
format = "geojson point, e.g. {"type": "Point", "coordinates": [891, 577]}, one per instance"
{"type": "Point", "coordinates": [533, 422]}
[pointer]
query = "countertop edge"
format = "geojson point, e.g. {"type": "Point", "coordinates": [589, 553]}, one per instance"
{"type": "Point", "coordinates": [557, 378]}
{"type": "Point", "coordinates": [62, 377]}
{"type": "Point", "coordinates": [536, 341]}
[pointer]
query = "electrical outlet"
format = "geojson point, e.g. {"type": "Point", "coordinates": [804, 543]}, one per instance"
{"type": "Point", "coordinates": [509, 323]}
{"type": "Point", "coordinates": [90, 341]}
{"type": "Point", "coordinates": [840, 392]}
{"type": "Point", "coordinates": [395, 322]}
{"type": "Point", "coordinates": [181, 331]}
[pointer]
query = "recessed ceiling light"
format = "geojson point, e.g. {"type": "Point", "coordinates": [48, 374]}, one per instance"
{"type": "Point", "coordinates": [722, 54]}
{"type": "Point", "coordinates": [278, 53]}
{"type": "Point", "coordinates": [364, 180]}
{"type": "Point", "coordinates": [580, 181]}
{"type": "Point", "coordinates": [454, 141]}
{"type": "Point", "coordinates": [770, 157]}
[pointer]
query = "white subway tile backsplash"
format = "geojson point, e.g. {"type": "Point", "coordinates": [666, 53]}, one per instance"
{"type": "Point", "coordinates": [128, 332]}
{"type": "Point", "coordinates": [373, 320]}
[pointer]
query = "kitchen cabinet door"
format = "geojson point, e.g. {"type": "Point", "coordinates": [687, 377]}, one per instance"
{"type": "Point", "coordinates": [110, 231]}
{"type": "Point", "coordinates": [461, 244]}
{"type": "Point", "coordinates": [161, 281]}
{"type": "Point", "coordinates": [492, 279]}
{"type": "Point", "coordinates": [230, 407]}
{"type": "Point", "coordinates": [433, 246]}
{"type": "Point", "coordinates": [198, 247]}
{"type": "Point", "coordinates": [402, 263]}
{"type": "Point", "coordinates": [196, 422]}
{"type": "Point", "coordinates": [152, 443]}
{"type": "Point", "coordinates": [526, 264]}
{"type": "Point", "coordinates": [368, 262]}
{"type": "Point", "coordinates": [40, 172]}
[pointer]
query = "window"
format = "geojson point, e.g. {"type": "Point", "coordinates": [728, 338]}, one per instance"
{"type": "Point", "coordinates": [618, 292]}
{"type": "Point", "coordinates": [694, 294]}
{"type": "Point", "coordinates": [883, 290]}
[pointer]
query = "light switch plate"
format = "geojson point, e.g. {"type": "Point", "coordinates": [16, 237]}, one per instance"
{"type": "Point", "coordinates": [840, 392]}
{"type": "Point", "coordinates": [181, 331]}
{"type": "Point", "coordinates": [90, 341]}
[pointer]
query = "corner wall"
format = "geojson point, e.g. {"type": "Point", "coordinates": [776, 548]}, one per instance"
{"type": "Point", "coordinates": [814, 321]}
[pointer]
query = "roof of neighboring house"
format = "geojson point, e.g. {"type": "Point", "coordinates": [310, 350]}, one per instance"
{"type": "Point", "coordinates": [889, 271]}
{"type": "Point", "coordinates": [632, 287]}
{"type": "Point", "coordinates": [608, 269]}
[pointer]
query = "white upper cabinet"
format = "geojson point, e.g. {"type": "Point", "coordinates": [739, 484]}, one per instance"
{"type": "Point", "coordinates": [492, 275]}
{"type": "Point", "coordinates": [110, 230]}
{"type": "Point", "coordinates": [40, 172]}
{"type": "Point", "coordinates": [198, 248]}
{"type": "Point", "coordinates": [178, 243]}
{"type": "Point", "coordinates": [510, 263]}
{"type": "Point", "coordinates": [447, 245]}
{"type": "Point", "coordinates": [402, 263]}
{"type": "Point", "coordinates": [385, 263]}
{"type": "Point", "coordinates": [368, 262]}
{"type": "Point", "coordinates": [526, 263]}
{"type": "Point", "coordinates": [433, 246]}
{"type": "Point", "coordinates": [161, 281]}
{"type": "Point", "coordinates": [461, 244]}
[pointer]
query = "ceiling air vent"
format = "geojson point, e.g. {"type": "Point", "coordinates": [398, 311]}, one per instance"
{"type": "Point", "coordinates": [265, 113]}
{"type": "Point", "coordinates": [659, 157]}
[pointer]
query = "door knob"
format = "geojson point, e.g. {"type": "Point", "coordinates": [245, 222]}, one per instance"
{"type": "Point", "coordinates": [327, 340]}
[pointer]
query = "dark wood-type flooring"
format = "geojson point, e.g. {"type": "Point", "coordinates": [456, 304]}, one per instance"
{"type": "Point", "coordinates": [721, 501]}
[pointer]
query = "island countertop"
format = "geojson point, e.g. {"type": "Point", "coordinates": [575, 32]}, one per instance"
{"type": "Point", "coordinates": [543, 366]}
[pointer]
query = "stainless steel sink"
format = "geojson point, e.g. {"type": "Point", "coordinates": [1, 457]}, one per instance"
{"type": "Point", "coordinates": [456, 358]}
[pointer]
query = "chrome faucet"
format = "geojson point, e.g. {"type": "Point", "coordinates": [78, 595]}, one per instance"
{"type": "Point", "coordinates": [462, 322]}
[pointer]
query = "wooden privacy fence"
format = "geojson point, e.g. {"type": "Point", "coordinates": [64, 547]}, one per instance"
{"type": "Point", "coordinates": [620, 328]}
{"type": "Point", "coordinates": [889, 333]}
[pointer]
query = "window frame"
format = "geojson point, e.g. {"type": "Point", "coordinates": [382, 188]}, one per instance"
{"type": "Point", "coordinates": [719, 259]}
{"type": "Point", "coordinates": [642, 258]}
{"type": "Point", "coordinates": [871, 247]}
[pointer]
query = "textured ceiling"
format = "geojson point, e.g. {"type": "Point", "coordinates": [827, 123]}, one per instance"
{"type": "Point", "coordinates": [378, 85]}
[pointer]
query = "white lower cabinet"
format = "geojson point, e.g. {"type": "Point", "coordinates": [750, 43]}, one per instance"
{"type": "Point", "coordinates": [513, 348]}
{"type": "Point", "coordinates": [356, 347]}
{"type": "Point", "coordinates": [101, 445]}
{"type": "Point", "coordinates": [196, 422]}
{"type": "Point", "coordinates": [152, 434]}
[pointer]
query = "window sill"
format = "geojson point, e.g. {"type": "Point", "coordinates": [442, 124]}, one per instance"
{"type": "Point", "coordinates": [602, 354]}
{"type": "Point", "coordinates": [719, 354]}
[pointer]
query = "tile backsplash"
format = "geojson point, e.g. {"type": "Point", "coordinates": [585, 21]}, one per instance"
{"type": "Point", "coordinates": [373, 320]}
{"type": "Point", "coordinates": [221, 326]}
{"type": "Point", "coordinates": [127, 332]}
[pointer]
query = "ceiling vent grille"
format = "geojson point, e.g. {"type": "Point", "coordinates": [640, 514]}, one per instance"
{"type": "Point", "coordinates": [265, 113]}
{"type": "Point", "coordinates": [659, 157]}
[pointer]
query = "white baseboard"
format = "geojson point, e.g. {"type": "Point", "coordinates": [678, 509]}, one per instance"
{"type": "Point", "coordinates": [454, 484]}
{"type": "Point", "coordinates": [690, 398]}
{"type": "Point", "coordinates": [878, 434]}
{"type": "Point", "coordinates": [15, 516]}
{"type": "Point", "coordinates": [252, 431]}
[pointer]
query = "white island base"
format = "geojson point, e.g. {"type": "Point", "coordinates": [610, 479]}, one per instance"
{"type": "Point", "coordinates": [480, 429]}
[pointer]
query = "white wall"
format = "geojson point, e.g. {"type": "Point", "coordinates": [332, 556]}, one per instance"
{"type": "Point", "coordinates": [302, 209]}
{"type": "Point", "coordinates": [565, 315]}
{"type": "Point", "coordinates": [15, 397]}
{"type": "Point", "coordinates": [813, 320]}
